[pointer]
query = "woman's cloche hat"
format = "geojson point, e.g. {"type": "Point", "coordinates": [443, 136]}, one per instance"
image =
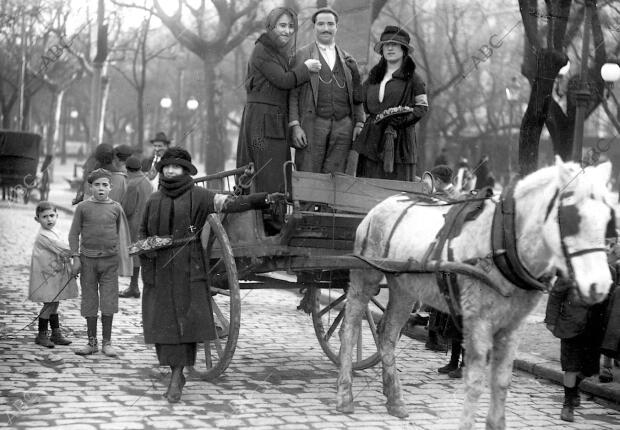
{"type": "Point", "coordinates": [178, 156]}
{"type": "Point", "coordinates": [393, 34]}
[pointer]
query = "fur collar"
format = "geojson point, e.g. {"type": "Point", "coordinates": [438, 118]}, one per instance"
{"type": "Point", "coordinates": [405, 72]}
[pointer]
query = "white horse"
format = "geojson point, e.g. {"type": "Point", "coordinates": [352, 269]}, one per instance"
{"type": "Point", "coordinates": [396, 229]}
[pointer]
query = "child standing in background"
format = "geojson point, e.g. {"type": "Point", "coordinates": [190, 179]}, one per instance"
{"type": "Point", "coordinates": [99, 236]}
{"type": "Point", "coordinates": [52, 275]}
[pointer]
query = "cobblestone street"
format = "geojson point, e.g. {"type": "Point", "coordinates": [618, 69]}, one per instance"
{"type": "Point", "coordinates": [278, 379]}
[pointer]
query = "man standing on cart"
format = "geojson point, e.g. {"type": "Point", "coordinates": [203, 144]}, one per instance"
{"type": "Point", "coordinates": [323, 117]}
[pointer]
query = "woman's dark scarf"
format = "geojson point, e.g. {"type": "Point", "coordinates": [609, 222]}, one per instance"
{"type": "Point", "coordinates": [175, 186]}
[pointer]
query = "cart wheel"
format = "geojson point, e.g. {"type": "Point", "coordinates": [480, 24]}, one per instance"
{"type": "Point", "coordinates": [223, 285]}
{"type": "Point", "coordinates": [327, 317]}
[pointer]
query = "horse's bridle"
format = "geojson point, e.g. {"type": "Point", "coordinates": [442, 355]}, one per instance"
{"type": "Point", "coordinates": [568, 223]}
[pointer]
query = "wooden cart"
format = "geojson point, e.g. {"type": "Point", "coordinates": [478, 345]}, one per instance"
{"type": "Point", "coordinates": [315, 243]}
{"type": "Point", "coordinates": [19, 157]}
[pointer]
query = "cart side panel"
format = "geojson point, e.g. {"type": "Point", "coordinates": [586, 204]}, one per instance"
{"type": "Point", "coordinates": [348, 193]}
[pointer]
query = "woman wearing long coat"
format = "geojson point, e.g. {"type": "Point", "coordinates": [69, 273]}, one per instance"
{"type": "Point", "coordinates": [176, 311]}
{"type": "Point", "coordinates": [392, 82]}
{"type": "Point", "coordinates": [263, 136]}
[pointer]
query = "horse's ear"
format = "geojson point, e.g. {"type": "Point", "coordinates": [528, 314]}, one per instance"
{"type": "Point", "coordinates": [604, 169]}
{"type": "Point", "coordinates": [564, 172]}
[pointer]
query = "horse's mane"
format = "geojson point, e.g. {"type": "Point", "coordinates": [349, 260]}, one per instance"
{"type": "Point", "coordinates": [583, 182]}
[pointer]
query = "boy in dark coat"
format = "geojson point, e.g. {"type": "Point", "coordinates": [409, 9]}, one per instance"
{"type": "Point", "coordinates": [579, 328]}
{"type": "Point", "coordinates": [176, 311]}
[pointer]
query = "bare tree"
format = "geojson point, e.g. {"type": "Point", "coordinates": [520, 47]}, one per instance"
{"type": "Point", "coordinates": [140, 55]}
{"type": "Point", "coordinates": [545, 52]}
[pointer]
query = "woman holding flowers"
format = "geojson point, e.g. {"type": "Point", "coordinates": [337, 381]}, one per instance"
{"type": "Point", "coordinates": [394, 98]}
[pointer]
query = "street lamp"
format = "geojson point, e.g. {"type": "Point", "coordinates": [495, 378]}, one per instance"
{"type": "Point", "coordinates": [165, 102]}
{"type": "Point", "coordinates": [192, 104]}
{"type": "Point", "coordinates": [610, 72]}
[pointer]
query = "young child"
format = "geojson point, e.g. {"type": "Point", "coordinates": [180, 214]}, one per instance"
{"type": "Point", "coordinates": [579, 327]}
{"type": "Point", "coordinates": [99, 235]}
{"type": "Point", "coordinates": [51, 275]}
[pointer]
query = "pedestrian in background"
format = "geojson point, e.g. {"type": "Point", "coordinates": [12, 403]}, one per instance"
{"type": "Point", "coordinates": [176, 306]}
{"type": "Point", "coordinates": [387, 148]}
{"type": "Point", "coordinates": [324, 115]}
{"type": "Point", "coordinates": [610, 346]}
{"type": "Point", "coordinates": [122, 153]}
{"type": "Point", "coordinates": [52, 275]}
{"type": "Point", "coordinates": [579, 328]}
{"type": "Point", "coordinates": [99, 236]}
{"type": "Point", "coordinates": [139, 189]}
{"type": "Point", "coordinates": [149, 165]}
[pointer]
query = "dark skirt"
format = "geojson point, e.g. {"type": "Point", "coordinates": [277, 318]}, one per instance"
{"type": "Point", "coordinates": [581, 354]}
{"type": "Point", "coordinates": [181, 354]}
{"type": "Point", "coordinates": [611, 338]}
{"type": "Point", "coordinates": [367, 168]}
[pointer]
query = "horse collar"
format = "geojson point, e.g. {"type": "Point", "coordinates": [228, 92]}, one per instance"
{"type": "Point", "coordinates": [504, 245]}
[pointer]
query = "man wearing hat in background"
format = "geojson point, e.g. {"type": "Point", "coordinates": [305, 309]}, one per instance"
{"type": "Point", "coordinates": [139, 189]}
{"type": "Point", "coordinates": [324, 119]}
{"type": "Point", "coordinates": [149, 165]}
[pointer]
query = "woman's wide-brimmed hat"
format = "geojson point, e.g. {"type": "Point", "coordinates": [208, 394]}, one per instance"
{"type": "Point", "coordinates": [160, 136]}
{"type": "Point", "coordinates": [393, 34]}
{"type": "Point", "coordinates": [178, 156]}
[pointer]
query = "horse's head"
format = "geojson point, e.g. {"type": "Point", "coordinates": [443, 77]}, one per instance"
{"type": "Point", "coordinates": [577, 222]}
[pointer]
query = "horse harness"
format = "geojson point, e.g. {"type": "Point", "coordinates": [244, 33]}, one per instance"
{"type": "Point", "coordinates": [504, 242]}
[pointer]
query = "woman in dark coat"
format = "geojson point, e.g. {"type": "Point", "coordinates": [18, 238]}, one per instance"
{"type": "Point", "coordinates": [392, 82]}
{"type": "Point", "coordinates": [264, 125]}
{"type": "Point", "coordinates": [176, 311]}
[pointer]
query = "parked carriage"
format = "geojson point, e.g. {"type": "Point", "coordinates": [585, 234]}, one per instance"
{"type": "Point", "coordinates": [19, 158]}
{"type": "Point", "coordinates": [315, 243]}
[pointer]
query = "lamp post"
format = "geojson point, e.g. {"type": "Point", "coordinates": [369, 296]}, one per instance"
{"type": "Point", "coordinates": [192, 105]}
{"type": "Point", "coordinates": [165, 103]}
{"type": "Point", "coordinates": [582, 94]}
{"type": "Point", "coordinates": [513, 95]}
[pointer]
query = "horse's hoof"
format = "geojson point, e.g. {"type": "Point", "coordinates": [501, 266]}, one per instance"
{"type": "Point", "coordinates": [345, 409]}
{"type": "Point", "coordinates": [398, 411]}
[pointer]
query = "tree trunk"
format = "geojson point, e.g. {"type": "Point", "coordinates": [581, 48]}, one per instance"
{"type": "Point", "coordinates": [140, 119]}
{"type": "Point", "coordinates": [105, 92]}
{"type": "Point", "coordinates": [53, 132]}
{"type": "Point", "coordinates": [548, 64]}
{"type": "Point", "coordinates": [213, 148]}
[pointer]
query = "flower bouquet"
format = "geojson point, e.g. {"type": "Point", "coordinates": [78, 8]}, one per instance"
{"type": "Point", "coordinates": [392, 112]}
{"type": "Point", "coordinates": [152, 243]}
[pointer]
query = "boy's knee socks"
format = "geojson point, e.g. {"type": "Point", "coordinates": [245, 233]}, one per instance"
{"type": "Point", "coordinates": [91, 325]}
{"type": "Point", "coordinates": [54, 323]}
{"type": "Point", "coordinates": [42, 324]}
{"type": "Point", "coordinates": [106, 324]}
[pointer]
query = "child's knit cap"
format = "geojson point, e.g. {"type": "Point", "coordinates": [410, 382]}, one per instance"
{"type": "Point", "coordinates": [99, 173]}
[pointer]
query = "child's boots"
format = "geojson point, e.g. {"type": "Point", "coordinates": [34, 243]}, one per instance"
{"type": "Point", "coordinates": [57, 336]}
{"type": "Point", "coordinates": [91, 347]}
{"type": "Point", "coordinates": [43, 337]}
{"type": "Point", "coordinates": [571, 399]}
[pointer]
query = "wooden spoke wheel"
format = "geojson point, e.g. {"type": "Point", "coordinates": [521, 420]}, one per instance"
{"type": "Point", "coordinates": [327, 317]}
{"type": "Point", "coordinates": [223, 292]}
